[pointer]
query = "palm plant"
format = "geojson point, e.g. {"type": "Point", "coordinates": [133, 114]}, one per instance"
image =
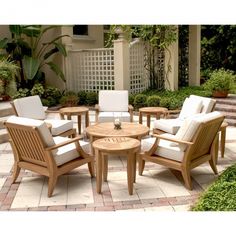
{"type": "Point", "coordinates": [31, 54]}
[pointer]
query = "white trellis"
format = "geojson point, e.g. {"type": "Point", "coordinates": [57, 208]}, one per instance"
{"type": "Point", "coordinates": [138, 74]}
{"type": "Point", "coordinates": [90, 70]}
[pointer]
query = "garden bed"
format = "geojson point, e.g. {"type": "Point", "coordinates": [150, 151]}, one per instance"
{"type": "Point", "coordinates": [221, 195]}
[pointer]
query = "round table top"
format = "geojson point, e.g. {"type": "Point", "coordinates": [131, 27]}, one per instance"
{"type": "Point", "coordinates": [153, 109]}
{"type": "Point", "coordinates": [107, 130]}
{"type": "Point", "coordinates": [116, 144]}
{"type": "Point", "coordinates": [73, 110]}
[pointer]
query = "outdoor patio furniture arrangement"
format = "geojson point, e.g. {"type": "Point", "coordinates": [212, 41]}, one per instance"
{"type": "Point", "coordinates": [192, 106]}
{"type": "Point", "coordinates": [36, 150]}
{"type": "Point", "coordinates": [195, 142]}
{"type": "Point", "coordinates": [31, 107]}
{"type": "Point", "coordinates": [113, 104]}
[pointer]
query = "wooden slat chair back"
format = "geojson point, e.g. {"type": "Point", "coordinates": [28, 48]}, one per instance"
{"type": "Point", "coordinates": [33, 152]}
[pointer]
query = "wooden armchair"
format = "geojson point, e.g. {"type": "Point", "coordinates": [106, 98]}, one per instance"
{"type": "Point", "coordinates": [113, 104]}
{"type": "Point", "coordinates": [196, 142]}
{"type": "Point", "coordinates": [35, 149]}
{"type": "Point", "coordinates": [31, 107]}
{"type": "Point", "coordinates": [192, 105]}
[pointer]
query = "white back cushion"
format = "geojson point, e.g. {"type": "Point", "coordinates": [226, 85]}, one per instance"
{"type": "Point", "coordinates": [30, 107]}
{"type": "Point", "coordinates": [113, 100]}
{"type": "Point", "coordinates": [41, 125]}
{"type": "Point", "coordinates": [208, 103]}
{"type": "Point", "coordinates": [190, 107]}
{"type": "Point", "coordinates": [189, 128]}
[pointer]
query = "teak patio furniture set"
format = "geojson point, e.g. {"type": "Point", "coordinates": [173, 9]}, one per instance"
{"type": "Point", "coordinates": [51, 147]}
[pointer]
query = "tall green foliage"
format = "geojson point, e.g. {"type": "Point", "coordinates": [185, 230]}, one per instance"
{"type": "Point", "coordinates": [158, 39]}
{"type": "Point", "coordinates": [26, 48]}
{"type": "Point", "coordinates": [218, 47]}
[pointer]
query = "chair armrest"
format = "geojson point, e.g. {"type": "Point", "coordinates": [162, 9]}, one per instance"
{"type": "Point", "coordinates": [97, 108]}
{"type": "Point", "coordinates": [72, 140]}
{"type": "Point", "coordinates": [172, 140]}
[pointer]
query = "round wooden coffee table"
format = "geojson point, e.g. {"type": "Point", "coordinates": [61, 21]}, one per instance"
{"type": "Point", "coordinates": [76, 111]}
{"type": "Point", "coordinates": [102, 130]}
{"type": "Point", "coordinates": [151, 111]}
{"type": "Point", "coordinates": [115, 145]}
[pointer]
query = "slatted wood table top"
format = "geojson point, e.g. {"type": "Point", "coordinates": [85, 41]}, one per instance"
{"type": "Point", "coordinates": [116, 144]}
{"type": "Point", "coordinates": [73, 110]}
{"type": "Point", "coordinates": [127, 130]}
{"type": "Point", "coordinates": [153, 110]}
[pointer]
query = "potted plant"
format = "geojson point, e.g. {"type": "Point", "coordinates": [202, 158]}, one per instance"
{"type": "Point", "coordinates": [8, 72]}
{"type": "Point", "coordinates": [220, 82]}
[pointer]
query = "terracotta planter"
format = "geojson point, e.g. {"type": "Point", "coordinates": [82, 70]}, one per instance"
{"type": "Point", "coordinates": [220, 94]}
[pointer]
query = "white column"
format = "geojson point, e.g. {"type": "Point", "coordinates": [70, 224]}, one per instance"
{"type": "Point", "coordinates": [194, 54]}
{"type": "Point", "coordinates": [121, 63]}
{"type": "Point", "coordinates": [172, 65]}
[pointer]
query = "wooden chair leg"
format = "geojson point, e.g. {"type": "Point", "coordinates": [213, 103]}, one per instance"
{"type": "Point", "coordinates": [51, 184]}
{"type": "Point", "coordinates": [213, 166]}
{"type": "Point", "coordinates": [141, 165]}
{"type": "Point", "coordinates": [91, 168]}
{"type": "Point", "coordinates": [187, 178]}
{"type": "Point", "coordinates": [16, 172]}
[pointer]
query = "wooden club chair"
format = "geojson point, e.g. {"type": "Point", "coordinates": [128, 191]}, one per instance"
{"type": "Point", "coordinates": [31, 107]}
{"type": "Point", "coordinates": [113, 104]}
{"type": "Point", "coordinates": [193, 105]}
{"type": "Point", "coordinates": [196, 142]}
{"type": "Point", "coordinates": [35, 149]}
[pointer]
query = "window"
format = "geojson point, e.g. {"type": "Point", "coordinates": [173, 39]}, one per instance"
{"type": "Point", "coordinates": [80, 30]}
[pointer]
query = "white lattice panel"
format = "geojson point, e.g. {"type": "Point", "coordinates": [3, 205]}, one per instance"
{"type": "Point", "coordinates": [90, 70]}
{"type": "Point", "coordinates": [138, 74]}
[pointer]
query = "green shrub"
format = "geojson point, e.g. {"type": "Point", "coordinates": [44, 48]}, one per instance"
{"type": "Point", "coordinates": [153, 101]}
{"type": "Point", "coordinates": [140, 101]}
{"type": "Point", "coordinates": [37, 89]}
{"type": "Point", "coordinates": [52, 92]}
{"type": "Point", "coordinates": [131, 99]}
{"type": "Point", "coordinates": [49, 101]}
{"type": "Point", "coordinates": [21, 93]}
{"type": "Point", "coordinates": [82, 97]}
{"type": "Point", "coordinates": [221, 195]}
{"type": "Point", "coordinates": [91, 98]}
{"type": "Point", "coordinates": [69, 99]}
{"type": "Point", "coordinates": [220, 80]}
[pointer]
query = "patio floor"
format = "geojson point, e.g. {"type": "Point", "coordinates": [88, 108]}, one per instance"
{"type": "Point", "coordinates": [159, 189]}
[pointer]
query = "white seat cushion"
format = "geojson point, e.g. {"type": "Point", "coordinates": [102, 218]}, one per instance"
{"type": "Point", "coordinates": [190, 107]}
{"type": "Point", "coordinates": [41, 125]}
{"type": "Point", "coordinates": [60, 126]}
{"type": "Point", "coordinates": [208, 103]}
{"type": "Point", "coordinates": [111, 116]}
{"type": "Point", "coordinates": [68, 152]}
{"type": "Point", "coordinates": [30, 107]}
{"type": "Point", "coordinates": [164, 149]}
{"type": "Point", "coordinates": [168, 125]}
{"type": "Point", "coordinates": [113, 100]}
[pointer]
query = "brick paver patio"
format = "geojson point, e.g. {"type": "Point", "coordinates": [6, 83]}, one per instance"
{"type": "Point", "coordinates": [159, 189]}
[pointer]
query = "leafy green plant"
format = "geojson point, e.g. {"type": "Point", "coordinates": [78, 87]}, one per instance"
{"type": "Point", "coordinates": [140, 101]}
{"type": "Point", "coordinates": [220, 80]}
{"type": "Point", "coordinates": [69, 99]}
{"type": "Point", "coordinates": [37, 89]}
{"type": "Point", "coordinates": [52, 92]}
{"type": "Point", "coordinates": [8, 72]}
{"type": "Point", "coordinates": [91, 98]}
{"type": "Point", "coordinates": [131, 99]}
{"type": "Point", "coordinates": [82, 97]}
{"type": "Point", "coordinates": [49, 101]}
{"type": "Point", "coordinates": [27, 49]}
{"type": "Point", "coordinates": [21, 93]}
{"type": "Point", "coordinates": [221, 195]}
{"type": "Point", "coordinates": [153, 101]}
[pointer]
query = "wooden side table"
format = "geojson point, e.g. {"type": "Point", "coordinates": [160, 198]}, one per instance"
{"type": "Point", "coordinates": [115, 145]}
{"type": "Point", "coordinates": [222, 138]}
{"type": "Point", "coordinates": [76, 111]}
{"type": "Point", "coordinates": [151, 111]}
